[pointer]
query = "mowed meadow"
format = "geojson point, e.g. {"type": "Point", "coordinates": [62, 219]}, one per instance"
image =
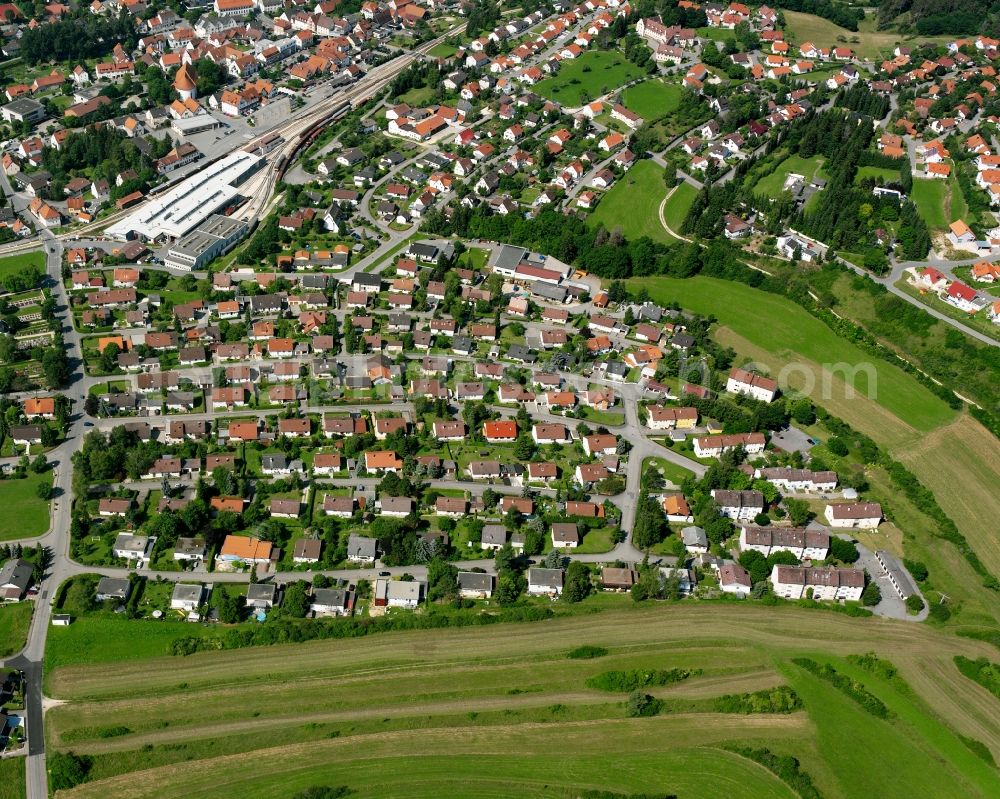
{"type": "Point", "coordinates": [504, 712]}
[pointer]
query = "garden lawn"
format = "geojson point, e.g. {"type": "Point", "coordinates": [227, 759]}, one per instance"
{"type": "Point", "coordinates": [15, 619]}
{"type": "Point", "coordinates": [772, 185]}
{"type": "Point", "coordinates": [930, 197]}
{"type": "Point", "coordinates": [791, 336]}
{"type": "Point", "coordinates": [25, 515]}
{"type": "Point", "coordinates": [583, 79]}
{"type": "Point", "coordinates": [13, 264]}
{"type": "Point", "coordinates": [443, 50]}
{"type": "Point", "coordinates": [717, 34]}
{"type": "Point", "coordinates": [671, 471]}
{"type": "Point", "coordinates": [633, 204]}
{"type": "Point", "coordinates": [652, 99]}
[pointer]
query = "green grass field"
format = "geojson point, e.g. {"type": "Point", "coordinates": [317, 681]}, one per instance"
{"type": "Point", "coordinates": [771, 185]}
{"type": "Point", "coordinates": [677, 207]}
{"type": "Point", "coordinates": [887, 175]}
{"type": "Point", "coordinates": [15, 619]}
{"type": "Point", "coordinates": [959, 207]}
{"type": "Point", "coordinates": [791, 335]}
{"type": "Point", "coordinates": [583, 79]}
{"type": "Point", "coordinates": [12, 785]}
{"type": "Point", "coordinates": [652, 99]}
{"type": "Point", "coordinates": [870, 44]}
{"type": "Point", "coordinates": [107, 638]}
{"type": "Point", "coordinates": [15, 263]}
{"type": "Point", "coordinates": [27, 516]}
{"type": "Point", "coordinates": [442, 50]}
{"type": "Point", "coordinates": [717, 34]}
{"type": "Point", "coordinates": [931, 198]}
{"type": "Point", "coordinates": [670, 470]}
{"type": "Point", "coordinates": [439, 712]}
{"type": "Point", "coordinates": [633, 204]}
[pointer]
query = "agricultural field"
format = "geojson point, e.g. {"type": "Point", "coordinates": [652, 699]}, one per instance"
{"type": "Point", "coordinates": [652, 98]}
{"type": "Point", "coordinates": [15, 618]}
{"type": "Point", "coordinates": [633, 204]}
{"type": "Point", "coordinates": [438, 712]}
{"type": "Point", "coordinates": [773, 184]}
{"type": "Point", "coordinates": [586, 78]}
{"type": "Point", "coordinates": [107, 638]}
{"type": "Point", "coordinates": [26, 515]}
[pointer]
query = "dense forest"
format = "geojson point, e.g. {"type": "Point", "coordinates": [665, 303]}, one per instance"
{"type": "Point", "coordinates": [77, 38]}
{"type": "Point", "coordinates": [948, 17]}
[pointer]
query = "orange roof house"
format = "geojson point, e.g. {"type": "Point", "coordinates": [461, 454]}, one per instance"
{"type": "Point", "coordinates": [500, 431]}
{"type": "Point", "coordinates": [227, 504]}
{"type": "Point", "coordinates": [40, 406]}
{"type": "Point", "coordinates": [244, 431]}
{"type": "Point", "coordinates": [382, 459]}
{"type": "Point", "coordinates": [245, 548]}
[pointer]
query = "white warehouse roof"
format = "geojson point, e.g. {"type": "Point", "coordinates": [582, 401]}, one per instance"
{"type": "Point", "coordinates": [188, 204]}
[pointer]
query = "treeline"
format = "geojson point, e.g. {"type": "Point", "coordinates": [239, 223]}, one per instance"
{"type": "Point", "coordinates": [77, 38]}
{"type": "Point", "coordinates": [634, 679]}
{"type": "Point", "coordinates": [845, 214]}
{"type": "Point", "coordinates": [296, 631]}
{"type": "Point", "coordinates": [568, 238]}
{"type": "Point", "coordinates": [785, 767]}
{"type": "Point", "coordinates": [781, 699]}
{"type": "Point", "coordinates": [947, 17]}
{"type": "Point", "coordinates": [481, 18]}
{"type": "Point", "coordinates": [846, 685]}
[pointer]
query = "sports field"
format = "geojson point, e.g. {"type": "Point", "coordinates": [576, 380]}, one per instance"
{"type": "Point", "coordinates": [633, 204]}
{"type": "Point", "coordinates": [652, 98]}
{"type": "Point", "coordinates": [583, 79]}
{"type": "Point", "coordinates": [504, 712]}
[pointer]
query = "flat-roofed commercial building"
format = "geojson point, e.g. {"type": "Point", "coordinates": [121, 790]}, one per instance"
{"type": "Point", "coordinates": [212, 238]}
{"type": "Point", "coordinates": [183, 208]}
